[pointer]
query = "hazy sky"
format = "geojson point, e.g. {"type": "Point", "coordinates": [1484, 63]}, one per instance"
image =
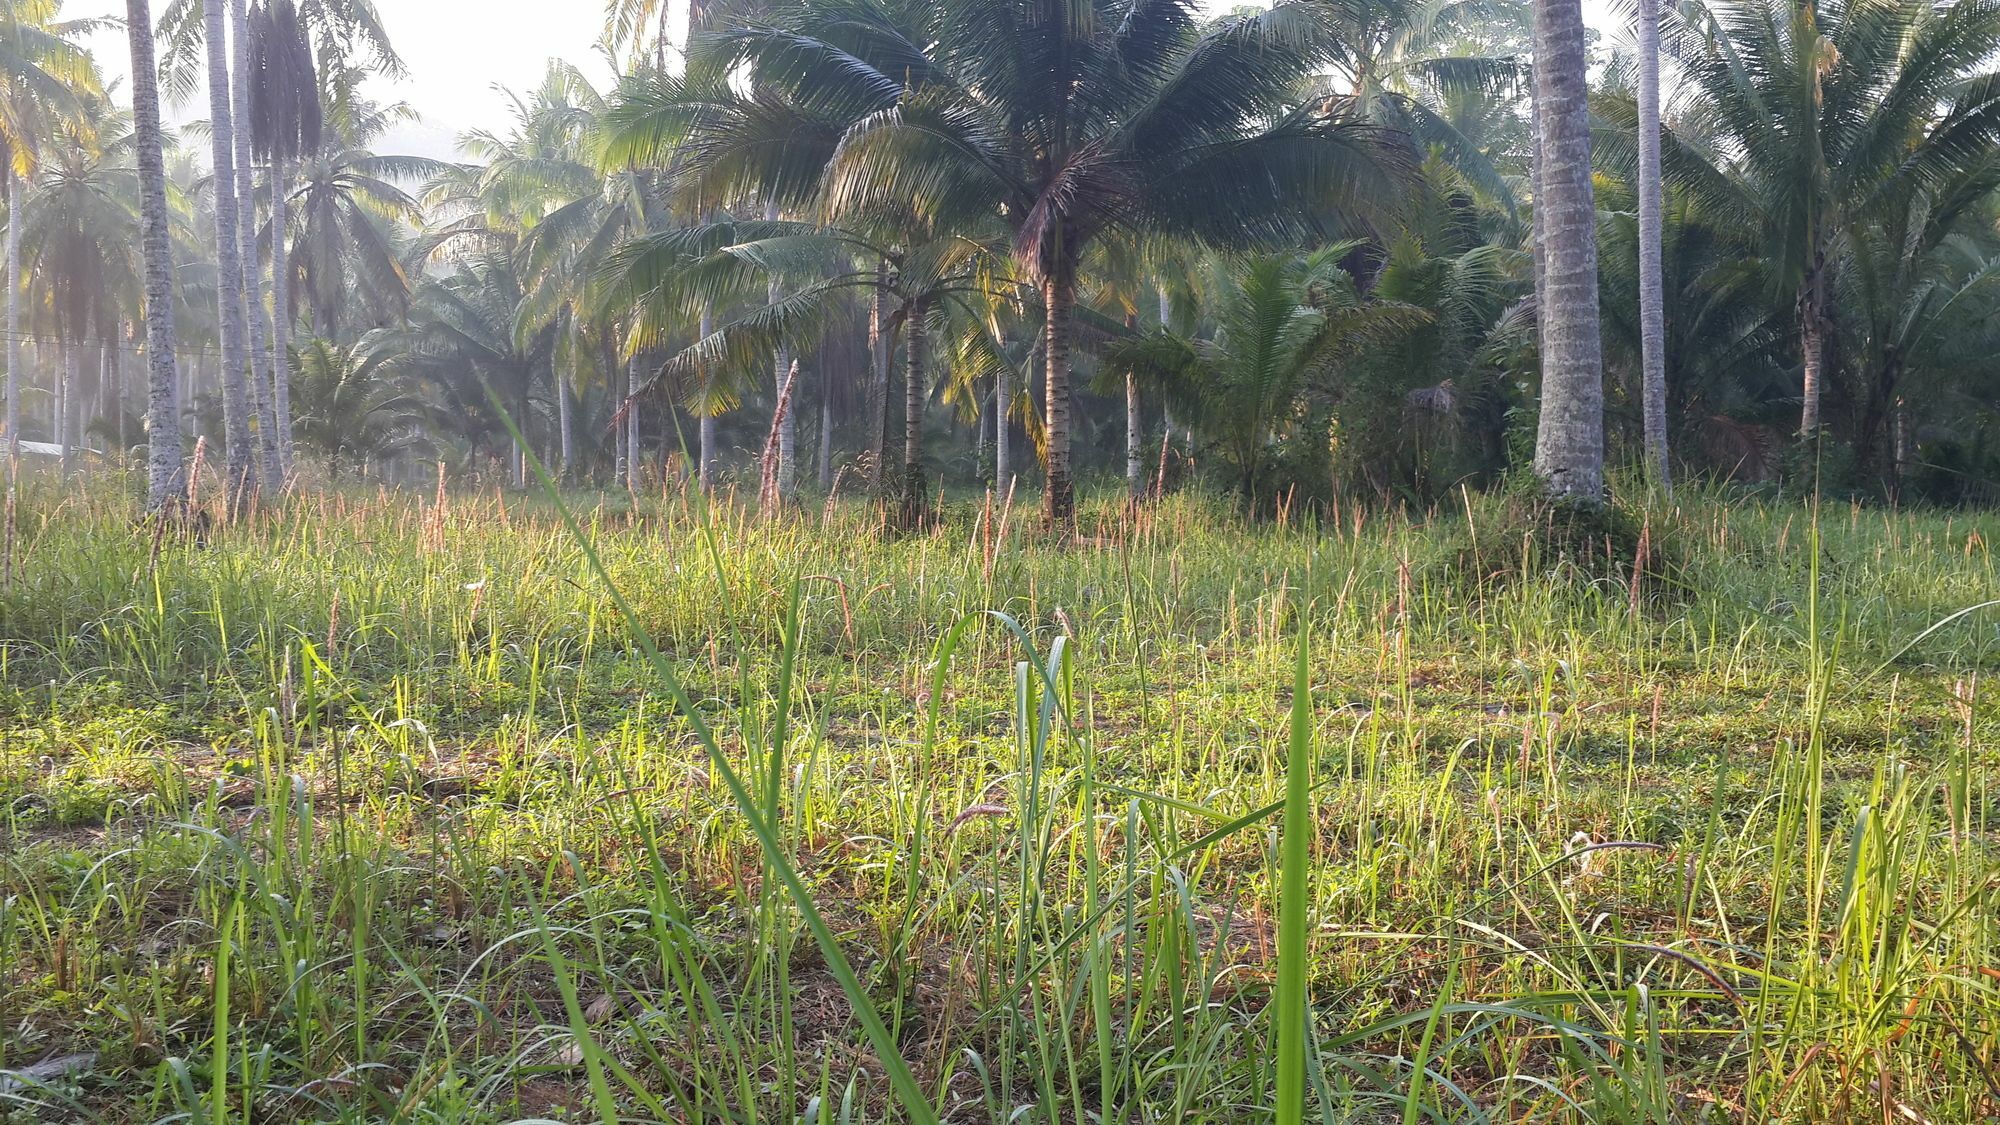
{"type": "Point", "coordinates": [460, 51]}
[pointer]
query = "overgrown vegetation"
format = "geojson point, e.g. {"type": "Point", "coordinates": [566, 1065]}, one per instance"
{"type": "Point", "coordinates": [369, 808]}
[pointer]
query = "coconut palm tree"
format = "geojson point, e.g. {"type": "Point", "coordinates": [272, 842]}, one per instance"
{"type": "Point", "coordinates": [940, 293]}
{"type": "Point", "coordinates": [1823, 116]}
{"type": "Point", "coordinates": [1065, 120]}
{"type": "Point", "coordinates": [285, 119]}
{"type": "Point", "coordinates": [353, 408]}
{"type": "Point", "coordinates": [238, 408]}
{"type": "Point", "coordinates": [1569, 440]}
{"type": "Point", "coordinates": [164, 484]}
{"type": "Point", "coordinates": [1284, 324]}
{"type": "Point", "coordinates": [79, 230]}
{"type": "Point", "coordinates": [344, 212]}
{"type": "Point", "coordinates": [41, 70]}
{"type": "Point", "coordinates": [1415, 65]}
{"type": "Point", "coordinates": [462, 341]}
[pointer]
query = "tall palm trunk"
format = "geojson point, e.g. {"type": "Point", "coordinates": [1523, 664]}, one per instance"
{"type": "Point", "coordinates": [241, 459]}
{"type": "Point", "coordinates": [71, 358]}
{"type": "Point", "coordinates": [1652, 297]}
{"type": "Point", "coordinates": [1812, 337]}
{"type": "Point", "coordinates": [708, 434]}
{"type": "Point", "coordinates": [1059, 497]}
{"type": "Point", "coordinates": [916, 343]}
{"type": "Point", "coordinates": [878, 382]}
{"type": "Point", "coordinates": [710, 425]}
{"type": "Point", "coordinates": [281, 311]}
{"type": "Point", "coordinates": [825, 428]}
{"type": "Point", "coordinates": [1003, 402]}
{"type": "Point", "coordinates": [14, 190]}
{"type": "Point", "coordinates": [258, 320]}
{"type": "Point", "coordinates": [1135, 461]}
{"type": "Point", "coordinates": [787, 420]}
{"type": "Point", "coordinates": [566, 448]}
{"type": "Point", "coordinates": [1569, 444]}
{"type": "Point", "coordinates": [632, 423]}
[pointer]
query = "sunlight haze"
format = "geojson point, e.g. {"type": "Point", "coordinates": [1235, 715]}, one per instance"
{"type": "Point", "coordinates": [463, 55]}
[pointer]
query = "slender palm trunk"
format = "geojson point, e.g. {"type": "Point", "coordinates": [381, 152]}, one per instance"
{"type": "Point", "coordinates": [14, 190]}
{"type": "Point", "coordinates": [787, 420]}
{"type": "Point", "coordinates": [281, 312]}
{"type": "Point", "coordinates": [916, 343]}
{"type": "Point", "coordinates": [825, 428]}
{"type": "Point", "coordinates": [1812, 339]}
{"type": "Point", "coordinates": [878, 383]}
{"type": "Point", "coordinates": [566, 453]}
{"type": "Point", "coordinates": [236, 401]}
{"type": "Point", "coordinates": [65, 401]}
{"type": "Point", "coordinates": [1135, 461]}
{"type": "Point", "coordinates": [1059, 497]}
{"type": "Point", "coordinates": [709, 423]}
{"type": "Point", "coordinates": [1003, 401]}
{"type": "Point", "coordinates": [708, 434]}
{"type": "Point", "coordinates": [1537, 185]}
{"type": "Point", "coordinates": [632, 423]}
{"type": "Point", "coordinates": [258, 321]}
{"type": "Point", "coordinates": [1569, 444]}
{"type": "Point", "coordinates": [1652, 296]}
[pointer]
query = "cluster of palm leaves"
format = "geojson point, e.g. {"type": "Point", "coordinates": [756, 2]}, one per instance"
{"type": "Point", "coordinates": [907, 244]}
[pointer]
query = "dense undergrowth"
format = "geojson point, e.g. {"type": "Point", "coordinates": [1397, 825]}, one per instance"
{"type": "Point", "coordinates": [371, 808]}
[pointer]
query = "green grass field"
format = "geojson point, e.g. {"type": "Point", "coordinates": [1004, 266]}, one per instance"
{"type": "Point", "coordinates": [373, 808]}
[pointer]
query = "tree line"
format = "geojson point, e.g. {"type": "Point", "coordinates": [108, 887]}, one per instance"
{"type": "Point", "coordinates": [1314, 251]}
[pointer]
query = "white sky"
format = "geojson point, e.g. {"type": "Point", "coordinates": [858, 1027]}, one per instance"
{"type": "Point", "coordinates": [460, 52]}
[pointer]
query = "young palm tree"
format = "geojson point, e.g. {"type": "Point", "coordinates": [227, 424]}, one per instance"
{"type": "Point", "coordinates": [1064, 120]}
{"type": "Point", "coordinates": [1283, 324]}
{"type": "Point", "coordinates": [353, 410]}
{"type": "Point", "coordinates": [1569, 441]}
{"type": "Point", "coordinates": [164, 483]}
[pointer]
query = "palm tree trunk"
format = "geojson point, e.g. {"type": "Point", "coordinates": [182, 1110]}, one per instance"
{"type": "Point", "coordinates": [236, 401]}
{"type": "Point", "coordinates": [114, 367]}
{"type": "Point", "coordinates": [1539, 237]}
{"type": "Point", "coordinates": [65, 401]}
{"type": "Point", "coordinates": [629, 463]}
{"type": "Point", "coordinates": [915, 345]}
{"type": "Point", "coordinates": [787, 420]}
{"type": "Point", "coordinates": [566, 451]}
{"type": "Point", "coordinates": [1003, 401]}
{"type": "Point", "coordinates": [281, 312]}
{"type": "Point", "coordinates": [825, 429]}
{"type": "Point", "coordinates": [709, 423]}
{"type": "Point", "coordinates": [14, 190]}
{"type": "Point", "coordinates": [259, 321]}
{"type": "Point", "coordinates": [1812, 339]}
{"type": "Point", "coordinates": [709, 434]}
{"type": "Point", "coordinates": [1569, 443]}
{"type": "Point", "coordinates": [1135, 461]}
{"type": "Point", "coordinates": [1059, 496]}
{"type": "Point", "coordinates": [878, 383]}
{"type": "Point", "coordinates": [1652, 297]}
